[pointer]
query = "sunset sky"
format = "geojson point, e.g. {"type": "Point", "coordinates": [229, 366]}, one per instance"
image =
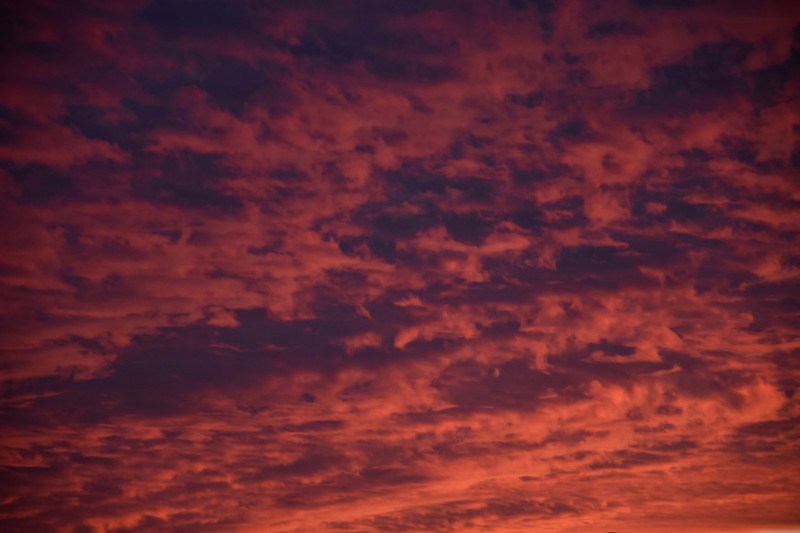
{"type": "Point", "coordinates": [399, 265]}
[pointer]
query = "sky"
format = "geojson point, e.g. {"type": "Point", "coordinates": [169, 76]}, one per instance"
{"type": "Point", "coordinates": [417, 265]}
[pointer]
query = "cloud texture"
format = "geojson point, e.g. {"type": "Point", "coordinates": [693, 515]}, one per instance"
{"type": "Point", "coordinates": [399, 266]}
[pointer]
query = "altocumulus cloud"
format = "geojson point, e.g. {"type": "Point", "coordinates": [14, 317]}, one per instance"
{"type": "Point", "coordinates": [380, 266]}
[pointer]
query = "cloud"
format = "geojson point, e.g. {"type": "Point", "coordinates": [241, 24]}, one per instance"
{"type": "Point", "coordinates": [448, 266]}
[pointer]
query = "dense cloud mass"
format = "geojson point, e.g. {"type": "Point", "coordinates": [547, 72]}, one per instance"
{"type": "Point", "coordinates": [418, 265]}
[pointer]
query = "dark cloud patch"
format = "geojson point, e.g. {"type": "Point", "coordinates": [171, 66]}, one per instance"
{"type": "Point", "coordinates": [477, 190]}
{"type": "Point", "coordinates": [11, 123]}
{"type": "Point", "coordinates": [777, 303]}
{"type": "Point", "coordinates": [583, 369]}
{"type": "Point", "coordinates": [634, 413]}
{"type": "Point", "coordinates": [713, 276]}
{"type": "Point", "coordinates": [790, 360]}
{"type": "Point", "coordinates": [382, 247]}
{"type": "Point", "coordinates": [703, 83]}
{"type": "Point", "coordinates": [231, 83]}
{"type": "Point", "coordinates": [470, 228]}
{"type": "Point", "coordinates": [313, 426]}
{"type": "Point", "coordinates": [526, 176]}
{"type": "Point", "coordinates": [412, 180]}
{"type": "Point", "coordinates": [156, 378]}
{"type": "Point", "coordinates": [771, 81]}
{"type": "Point", "coordinates": [342, 488]}
{"type": "Point", "coordinates": [189, 179]}
{"type": "Point", "coordinates": [392, 224]}
{"type": "Point", "coordinates": [698, 379]}
{"type": "Point", "coordinates": [624, 459]}
{"type": "Point", "coordinates": [608, 28]}
{"type": "Point", "coordinates": [707, 214]}
{"type": "Point", "coordinates": [544, 9]}
{"type": "Point", "coordinates": [500, 328]}
{"type": "Point", "coordinates": [390, 136]}
{"type": "Point", "coordinates": [611, 348]}
{"type": "Point", "coordinates": [529, 217]}
{"type": "Point", "coordinates": [740, 149]}
{"type": "Point", "coordinates": [782, 291]}
{"type": "Point", "coordinates": [668, 410]}
{"type": "Point", "coordinates": [682, 446]}
{"type": "Point", "coordinates": [649, 430]}
{"type": "Point", "coordinates": [95, 492]}
{"type": "Point", "coordinates": [514, 385]}
{"type": "Point", "coordinates": [571, 129]}
{"type": "Point", "coordinates": [696, 155]}
{"type": "Point", "coordinates": [764, 439]}
{"type": "Point", "coordinates": [463, 514]}
{"type": "Point", "coordinates": [661, 251]}
{"type": "Point", "coordinates": [414, 7]}
{"type": "Point", "coordinates": [566, 212]}
{"type": "Point", "coordinates": [163, 374]}
{"type": "Point", "coordinates": [771, 428]}
{"type": "Point", "coordinates": [179, 195]}
{"type": "Point", "coordinates": [40, 183]}
{"type": "Point", "coordinates": [11, 27]}
{"type": "Point", "coordinates": [311, 335]}
{"type": "Point", "coordinates": [593, 261]}
{"type": "Point", "coordinates": [315, 460]}
{"type": "Point", "coordinates": [720, 57]}
{"type": "Point", "coordinates": [529, 100]}
{"type": "Point", "coordinates": [388, 54]}
{"type": "Point", "coordinates": [92, 121]}
{"type": "Point", "coordinates": [327, 300]}
{"type": "Point", "coordinates": [198, 18]}
{"type": "Point", "coordinates": [149, 115]}
{"type": "Point", "coordinates": [671, 4]}
{"type": "Point", "coordinates": [422, 72]}
{"type": "Point", "coordinates": [386, 249]}
{"type": "Point", "coordinates": [163, 85]}
{"type": "Point", "coordinates": [391, 476]}
{"type": "Point", "coordinates": [477, 141]}
{"type": "Point", "coordinates": [572, 437]}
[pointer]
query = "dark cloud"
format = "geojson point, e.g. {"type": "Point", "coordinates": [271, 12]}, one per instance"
{"type": "Point", "coordinates": [39, 183]}
{"type": "Point", "coordinates": [608, 28]}
{"type": "Point", "coordinates": [197, 18]}
{"type": "Point", "coordinates": [514, 385]}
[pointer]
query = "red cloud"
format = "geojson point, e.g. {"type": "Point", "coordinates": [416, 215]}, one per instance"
{"type": "Point", "coordinates": [442, 267]}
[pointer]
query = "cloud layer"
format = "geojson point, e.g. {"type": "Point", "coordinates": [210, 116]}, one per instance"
{"type": "Point", "coordinates": [416, 266]}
